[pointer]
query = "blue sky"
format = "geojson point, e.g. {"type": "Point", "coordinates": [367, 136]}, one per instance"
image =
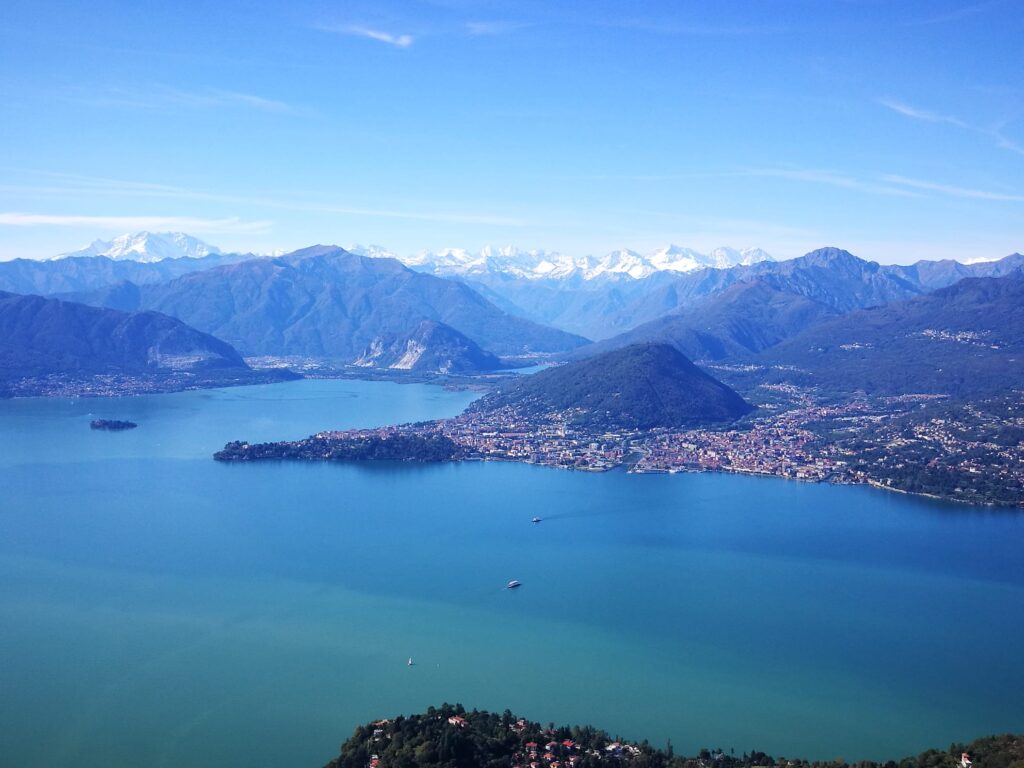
{"type": "Point", "coordinates": [893, 129]}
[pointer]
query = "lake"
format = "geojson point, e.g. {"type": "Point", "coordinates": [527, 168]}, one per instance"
{"type": "Point", "coordinates": [158, 608]}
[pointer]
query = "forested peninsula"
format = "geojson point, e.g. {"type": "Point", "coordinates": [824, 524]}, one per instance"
{"type": "Point", "coordinates": [451, 737]}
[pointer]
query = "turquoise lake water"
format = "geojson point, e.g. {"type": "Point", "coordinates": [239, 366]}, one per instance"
{"type": "Point", "coordinates": [158, 608]}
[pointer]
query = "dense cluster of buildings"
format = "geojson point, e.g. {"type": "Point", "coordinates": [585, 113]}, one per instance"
{"type": "Point", "coordinates": [860, 441]}
{"type": "Point", "coordinates": [769, 447]}
{"type": "Point", "coordinates": [553, 440]}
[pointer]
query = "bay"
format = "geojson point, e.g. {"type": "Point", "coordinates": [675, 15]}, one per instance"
{"type": "Point", "coordinates": [158, 608]}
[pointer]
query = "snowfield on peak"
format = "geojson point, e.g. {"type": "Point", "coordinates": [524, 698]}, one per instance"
{"type": "Point", "coordinates": [147, 247]}
{"type": "Point", "coordinates": [508, 261]}
{"type": "Point", "coordinates": [551, 265]}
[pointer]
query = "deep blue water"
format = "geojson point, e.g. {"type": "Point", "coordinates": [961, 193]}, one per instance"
{"type": "Point", "coordinates": [159, 608]}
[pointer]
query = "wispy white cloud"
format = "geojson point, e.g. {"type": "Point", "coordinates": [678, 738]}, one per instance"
{"type": "Point", "coordinates": [482, 28]}
{"type": "Point", "coordinates": [920, 114]}
{"type": "Point", "coordinates": [399, 41]}
{"type": "Point", "coordinates": [1004, 143]}
{"type": "Point", "coordinates": [162, 97]}
{"type": "Point", "coordinates": [829, 178]}
{"type": "Point", "coordinates": [75, 184]}
{"type": "Point", "coordinates": [810, 175]}
{"type": "Point", "coordinates": [954, 191]}
{"type": "Point", "coordinates": [886, 184]}
{"type": "Point", "coordinates": [183, 223]}
{"type": "Point", "coordinates": [995, 134]}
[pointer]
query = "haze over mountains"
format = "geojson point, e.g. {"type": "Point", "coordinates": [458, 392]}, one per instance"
{"type": "Point", "coordinates": [456, 311]}
{"type": "Point", "coordinates": [150, 247]}
{"type": "Point", "coordinates": [548, 265]}
{"type": "Point", "coordinates": [325, 302]}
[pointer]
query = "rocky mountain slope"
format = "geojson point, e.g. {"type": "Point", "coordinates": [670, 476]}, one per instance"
{"type": "Point", "coordinates": [432, 347]}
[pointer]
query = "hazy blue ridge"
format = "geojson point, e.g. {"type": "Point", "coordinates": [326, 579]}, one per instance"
{"type": "Point", "coordinates": [88, 273]}
{"type": "Point", "coordinates": [963, 341]}
{"type": "Point", "coordinates": [323, 301]}
{"type": "Point", "coordinates": [40, 336]}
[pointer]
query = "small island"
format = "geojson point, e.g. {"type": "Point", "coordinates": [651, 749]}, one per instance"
{"type": "Point", "coordinates": [112, 425]}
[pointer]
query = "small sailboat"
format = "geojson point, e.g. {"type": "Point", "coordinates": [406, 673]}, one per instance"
{"type": "Point", "coordinates": [411, 662]}
{"type": "Point", "coordinates": [513, 584]}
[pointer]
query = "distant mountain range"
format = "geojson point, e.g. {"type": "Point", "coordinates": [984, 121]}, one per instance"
{"type": "Point", "coordinates": [87, 273]}
{"type": "Point", "coordinates": [829, 276]}
{"type": "Point", "coordinates": [637, 387]}
{"type": "Point", "coordinates": [371, 310]}
{"type": "Point", "coordinates": [551, 265]}
{"type": "Point", "coordinates": [325, 302]}
{"type": "Point", "coordinates": [150, 247]}
{"type": "Point", "coordinates": [965, 338]}
{"type": "Point", "coordinates": [41, 337]}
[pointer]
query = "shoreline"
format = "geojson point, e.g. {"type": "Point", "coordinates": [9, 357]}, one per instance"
{"type": "Point", "coordinates": [624, 466]}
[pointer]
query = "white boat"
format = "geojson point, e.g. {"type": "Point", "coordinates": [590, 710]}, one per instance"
{"type": "Point", "coordinates": [513, 584]}
{"type": "Point", "coordinates": [535, 520]}
{"type": "Point", "coordinates": [411, 662]}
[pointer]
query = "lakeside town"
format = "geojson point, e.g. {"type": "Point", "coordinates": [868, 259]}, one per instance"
{"type": "Point", "coordinates": [911, 443]}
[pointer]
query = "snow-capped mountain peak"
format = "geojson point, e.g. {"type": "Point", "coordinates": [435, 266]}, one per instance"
{"type": "Point", "coordinates": [147, 247]}
{"type": "Point", "coordinates": [551, 265]}
{"type": "Point", "coordinates": [373, 252]}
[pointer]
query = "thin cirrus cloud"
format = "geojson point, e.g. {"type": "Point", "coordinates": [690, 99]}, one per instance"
{"type": "Point", "coordinates": [995, 134]}
{"type": "Point", "coordinates": [355, 30]}
{"type": "Point", "coordinates": [483, 28]}
{"type": "Point", "coordinates": [920, 114]}
{"type": "Point", "coordinates": [162, 97]}
{"type": "Point", "coordinates": [954, 191]}
{"type": "Point", "coordinates": [887, 184]}
{"type": "Point", "coordinates": [136, 223]}
{"type": "Point", "coordinates": [74, 184]}
{"type": "Point", "coordinates": [829, 178]}
{"type": "Point", "coordinates": [810, 175]}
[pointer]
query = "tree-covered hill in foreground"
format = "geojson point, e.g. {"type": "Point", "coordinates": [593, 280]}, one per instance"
{"type": "Point", "coordinates": [451, 737]}
{"type": "Point", "coordinates": [637, 387]}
